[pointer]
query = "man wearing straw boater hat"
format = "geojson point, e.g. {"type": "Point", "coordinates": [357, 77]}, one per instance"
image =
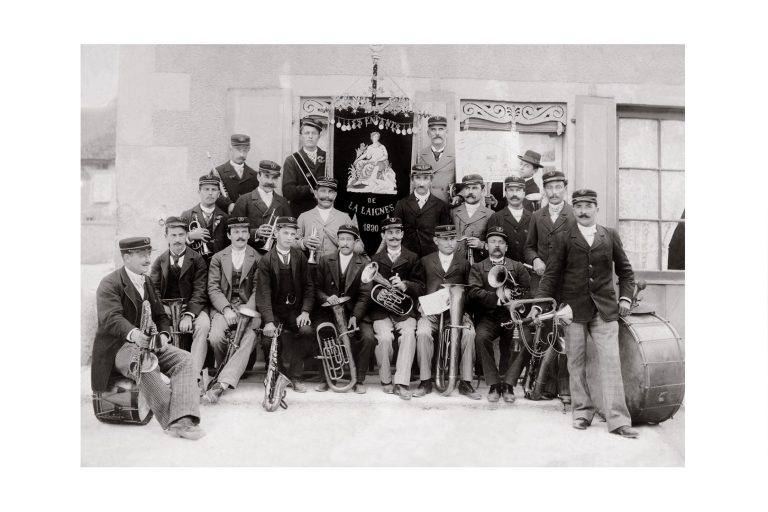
{"type": "Point", "coordinates": [236, 177]}
{"type": "Point", "coordinates": [120, 300]}
{"type": "Point", "coordinates": [439, 157]}
{"type": "Point", "coordinates": [530, 162]}
{"type": "Point", "coordinates": [309, 160]}
{"type": "Point", "coordinates": [582, 263]}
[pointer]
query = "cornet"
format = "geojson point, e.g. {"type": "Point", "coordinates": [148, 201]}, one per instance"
{"type": "Point", "coordinates": [384, 293]}
{"type": "Point", "coordinates": [198, 245]}
{"type": "Point", "coordinates": [272, 226]}
{"type": "Point", "coordinates": [312, 260]}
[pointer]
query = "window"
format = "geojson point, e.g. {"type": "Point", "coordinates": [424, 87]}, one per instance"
{"type": "Point", "coordinates": [651, 188]}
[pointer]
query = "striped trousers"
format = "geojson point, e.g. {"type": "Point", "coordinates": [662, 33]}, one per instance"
{"type": "Point", "coordinates": [167, 403]}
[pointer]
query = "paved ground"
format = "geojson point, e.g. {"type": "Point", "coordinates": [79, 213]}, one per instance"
{"type": "Point", "coordinates": [375, 429]}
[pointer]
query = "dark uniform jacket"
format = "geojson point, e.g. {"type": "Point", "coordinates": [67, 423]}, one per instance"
{"type": "Point", "coordinates": [251, 205]}
{"type": "Point", "coordinates": [234, 185]}
{"type": "Point", "coordinates": [419, 223]}
{"type": "Point", "coordinates": [295, 186]}
{"type": "Point", "coordinates": [221, 290]}
{"type": "Point", "coordinates": [193, 279]}
{"type": "Point", "coordinates": [217, 228]}
{"type": "Point", "coordinates": [532, 188]}
{"type": "Point", "coordinates": [329, 280]}
{"type": "Point", "coordinates": [403, 267]}
{"type": "Point", "coordinates": [517, 232]}
{"type": "Point", "coordinates": [303, 283]}
{"type": "Point", "coordinates": [483, 298]}
{"type": "Point", "coordinates": [118, 306]}
{"type": "Point", "coordinates": [541, 235]}
{"type": "Point", "coordinates": [586, 273]}
{"type": "Point", "coordinates": [430, 274]}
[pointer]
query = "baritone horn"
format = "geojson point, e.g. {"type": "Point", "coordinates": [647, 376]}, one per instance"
{"type": "Point", "coordinates": [336, 349]}
{"type": "Point", "coordinates": [384, 293]}
{"type": "Point", "coordinates": [450, 340]}
{"type": "Point", "coordinates": [507, 289]}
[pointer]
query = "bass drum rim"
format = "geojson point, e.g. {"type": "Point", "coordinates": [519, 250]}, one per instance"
{"type": "Point", "coordinates": [137, 403]}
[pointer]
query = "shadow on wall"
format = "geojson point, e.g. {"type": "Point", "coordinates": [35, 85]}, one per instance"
{"type": "Point", "coordinates": [90, 276]}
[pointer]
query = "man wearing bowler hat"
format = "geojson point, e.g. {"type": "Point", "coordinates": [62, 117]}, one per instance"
{"type": "Point", "coordinates": [210, 235]}
{"type": "Point", "coordinates": [582, 263]}
{"type": "Point", "coordinates": [263, 204]}
{"type": "Point", "coordinates": [438, 156]}
{"type": "Point", "coordinates": [420, 212]}
{"type": "Point", "coordinates": [309, 160]}
{"type": "Point", "coordinates": [120, 300]}
{"type": "Point", "coordinates": [236, 177]}
{"type": "Point", "coordinates": [471, 218]}
{"type": "Point", "coordinates": [232, 284]}
{"type": "Point", "coordinates": [514, 219]}
{"type": "Point", "coordinates": [530, 162]}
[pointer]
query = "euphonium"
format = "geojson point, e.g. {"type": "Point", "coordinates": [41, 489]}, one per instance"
{"type": "Point", "coordinates": [336, 349]}
{"type": "Point", "coordinates": [507, 289]}
{"type": "Point", "coordinates": [274, 382]}
{"type": "Point", "coordinates": [199, 245]}
{"type": "Point", "coordinates": [175, 305]}
{"type": "Point", "coordinates": [244, 317]}
{"type": "Point", "coordinates": [384, 294]}
{"type": "Point", "coordinates": [450, 340]}
{"type": "Point", "coordinates": [145, 360]}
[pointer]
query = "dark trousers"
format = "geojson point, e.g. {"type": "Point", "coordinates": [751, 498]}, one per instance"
{"type": "Point", "coordinates": [362, 343]}
{"type": "Point", "coordinates": [295, 344]}
{"type": "Point", "coordinates": [486, 330]}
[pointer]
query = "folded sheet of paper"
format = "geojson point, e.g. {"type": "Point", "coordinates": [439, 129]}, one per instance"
{"type": "Point", "coordinates": [435, 303]}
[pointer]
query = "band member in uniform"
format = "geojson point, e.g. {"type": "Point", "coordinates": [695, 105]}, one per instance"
{"type": "Point", "coordinates": [232, 283]}
{"type": "Point", "coordinates": [530, 162]}
{"type": "Point", "coordinates": [445, 266]}
{"type": "Point", "coordinates": [338, 275]}
{"type": "Point", "coordinates": [420, 212]}
{"type": "Point", "coordinates": [324, 221]}
{"type": "Point", "coordinates": [556, 217]}
{"type": "Point", "coordinates": [181, 273]}
{"type": "Point", "coordinates": [471, 219]}
{"type": "Point", "coordinates": [286, 296]}
{"type": "Point", "coordinates": [588, 249]}
{"type": "Point", "coordinates": [262, 204]}
{"type": "Point", "coordinates": [514, 219]}
{"type": "Point", "coordinates": [396, 263]}
{"type": "Point", "coordinates": [439, 157]}
{"type": "Point", "coordinates": [211, 220]}
{"type": "Point", "coordinates": [236, 177]}
{"type": "Point", "coordinates": [309, 159]}
{"type": "Point", "coordinates": [490, 313]}
{"type": "Point", "coordinates": [118, 341]}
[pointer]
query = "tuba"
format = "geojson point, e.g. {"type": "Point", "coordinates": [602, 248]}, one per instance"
{"type": "Point", "coordinates": [336, 349]}
{"type": "Point", "coordinates": [274, 382]}
{"type": "Point", "coordinates": [145, 361]}
{"type": "Point", "coordinates": [507, 289]}
{"type": "Point", "coordinates": [200, 246]}
{"type": "Point", "coordinates": [244, 317]}
{"type": "Point", "coordinates": [384, 294]}
{"type": "Point", "coordinates": [450, 340]}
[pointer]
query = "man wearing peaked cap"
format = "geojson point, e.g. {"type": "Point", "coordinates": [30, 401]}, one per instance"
{"type": "Point", "coordinates": [304, 167]}
{"type": "Point", "coordinates": [491, 310]}
{"type": "Point", "coordinates": [339, 277]}
{"type": "Point", "coordinates": [232, 286]}
{"type": "Point", "coordinates": [434, 270]}
{"type": "Point", "coordinates": [530, 163]}
{"type": "Point", "coordinates": [439, 156]}
{"type": "Point", "coordinates": [120, 300]}
{"type": "Point", "coordinates": [263, 205]}
{"type": "Point", "coordinates": [318, 226]}
{"type": "Point", "coordinates": [236, 177]}
{"type": "Point", "coordinates": [209, 235]}
{"type": "Point", "coordinates": [588, 249]}
{"type": "Point", "coordinates": [420, 212]}
{"type": "Point", "coordinates": [514, 219]}
{"type": "Point", "coordinates": [471, 218]}
{"type": "Point", "coordinates": [181, 274]}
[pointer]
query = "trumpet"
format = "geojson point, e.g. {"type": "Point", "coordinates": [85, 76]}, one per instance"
{"type": "Point", "coordinates": [312, 260]}
{"type": "Point", "coordinates": [507, 289]}
{"type": "Point", "coordinates": [222, 189]}
{"type": "Point", "coordinates": [336, 349]}
{"type": "Point", "coordinates": [271, 238]}
{"type": "Point", "coordinates": [244, 317]}
{"type": "Point", "coordinates": [176, 306]}
{"type": "Point", "coordinates": [384, 293]}
{"type": "Point", "coordinates": [274, 382]}
{"type": "Point", "coordinates": [450, 338]}
{"type": "Point", "coordinates": [199, 245]}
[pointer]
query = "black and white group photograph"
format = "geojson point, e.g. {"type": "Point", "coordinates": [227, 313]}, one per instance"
{"type": "Point", "coordinates": [388, 255]}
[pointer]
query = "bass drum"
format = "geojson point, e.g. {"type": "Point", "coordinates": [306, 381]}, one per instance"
{"type": "Point", "coordinates": [652, 368]}
{"type": "Point", "coordinates": [122, 404]}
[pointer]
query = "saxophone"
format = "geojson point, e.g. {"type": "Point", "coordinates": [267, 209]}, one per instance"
{"type": "Point", "coordinates": [274, 382]}
{"type": "Point", "coordinates": [144, 361]}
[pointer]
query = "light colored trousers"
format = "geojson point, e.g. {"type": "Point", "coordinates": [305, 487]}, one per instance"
{"type": "Point", "coordinates": [384, 331]}
{"type": "Point", "coordinates": [167, 403]}
{"type": "Point", "coordinates": [425, 345]}
{"type": "Point", "coordinates": [199, 349]}
{"type": "Point", "coordinates": [237, 364]}
{"type": "Point", "coordinates": [605, 336]}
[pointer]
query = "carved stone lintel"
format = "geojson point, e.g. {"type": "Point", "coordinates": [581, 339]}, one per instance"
{"type": "Point", "coordinates": [516, 113]}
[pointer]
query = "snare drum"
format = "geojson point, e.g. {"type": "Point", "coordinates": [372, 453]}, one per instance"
{"type": "Point", "coordinates": [122, 404]}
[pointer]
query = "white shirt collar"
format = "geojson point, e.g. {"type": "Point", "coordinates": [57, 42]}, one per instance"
{"type": "Point", "coordinates": [421, 198]}
{"type": "Point", "coordinates": [393, 254]}
{"type": "Point", "coordinates": [435, 150]}
{"type": "Point", "coordinates": [556, 208]}
{"type": "Point", "coordinates": [238, 255]}
{"type": "Point", "coordinates": [310, 152]}
{"type": "Point", "coordinates": [471, 208]}
{"type": "Point", "coordinates": [265, 196]}
{"type": "Point", "coordinates": [591, 230]}
{"type": "Point", "coordinates": [137, 280]}
{"type": "Point", "coordinates": [324, 214]}
{"type": "Point", "coordinates": [207, 210]}
{"type": "Point", "coordinates": [344, 260]}
{"type": "Point", "coordinates": [516, 213]}
{"type": "Point", "coordinates": [500, 261]}
{"type": "Point", "coordinates": [237, 166]}
{"type": "Point", "coordinates": [445, 260]}
{"type": "Point", "coordinates": [284, 253]}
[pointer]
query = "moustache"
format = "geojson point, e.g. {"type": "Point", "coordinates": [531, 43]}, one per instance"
{"type": "Point", "coordinates": [583, 216]}
{"type": "Point", "coordinates": [240, 239]}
